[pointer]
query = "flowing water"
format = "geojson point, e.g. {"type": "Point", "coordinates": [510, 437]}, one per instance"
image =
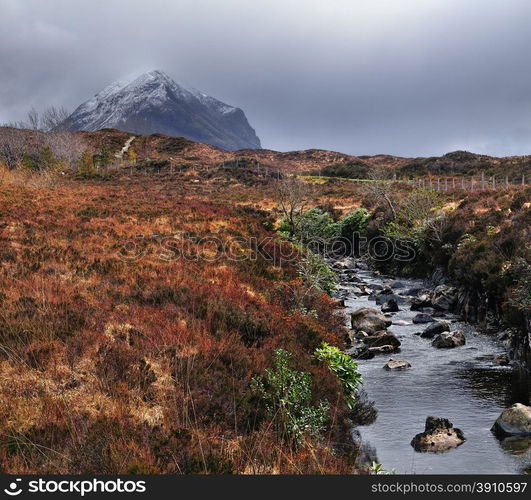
{"type": "Point", "coordinates": [461, 384]}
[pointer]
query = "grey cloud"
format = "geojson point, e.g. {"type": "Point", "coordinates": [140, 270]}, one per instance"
{"type": "Point", "coordinates": [415, 77]}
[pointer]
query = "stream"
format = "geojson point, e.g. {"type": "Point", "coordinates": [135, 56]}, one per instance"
{"type": "Point", "coordinates": [462, 384]}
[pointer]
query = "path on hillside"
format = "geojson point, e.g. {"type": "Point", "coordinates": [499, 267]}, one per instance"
{"type": "Point", "coordinates": [126, 147]}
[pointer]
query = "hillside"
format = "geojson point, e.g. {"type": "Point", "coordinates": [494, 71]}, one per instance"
{"type": "Point", "coordinates": [162, 151]}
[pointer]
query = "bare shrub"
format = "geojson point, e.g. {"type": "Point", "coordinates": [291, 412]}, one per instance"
{"type": "Point", "coordinates": [293, 197]}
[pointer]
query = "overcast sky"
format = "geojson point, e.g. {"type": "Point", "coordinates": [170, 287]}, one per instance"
{"type": "Point", "coordinates": [406, 77]}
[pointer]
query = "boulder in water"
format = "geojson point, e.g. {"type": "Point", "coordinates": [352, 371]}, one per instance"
{"type": "Point", "coordinates": [435, 329]}
{"type": "Point", "coordinates": [390, 306]}
{"type": "Point", "coordinates": [360, 351]}
{"type": "Point", "coordinates": [514, 421]}
{"type": "Point", "coordinates": [448, 340]}
{"type": "Point", "coordinates": [397, 284]}
{"type": "Point", "coordinates": [368, 320]}
{"type": "Point", "coordinates": [501, 360]}
{"type": "Point", "coordinates": [423, 318]}
{"type": "Point", "coordinates": [396, 365]}
{"type": "Point", "coordinates": [382, 338]}
{"type": "Point", "coordinates": [439, 436]}
{"type": "Point", "coordinates": [420, 301]}
{"type": "Point", "coordinates": [384, 349]}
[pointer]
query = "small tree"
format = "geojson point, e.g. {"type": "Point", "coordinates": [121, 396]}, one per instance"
{"type": "Point", "coordinates": [287, 395]}
{"type": "Point", "coordinates": [85, 165]}
{"type": "Point", "coordinates": [103, 158]}
{"type": "Point", "coordinates": [293, 198]}
{"type": "Point", "coordinates": [46, 159]}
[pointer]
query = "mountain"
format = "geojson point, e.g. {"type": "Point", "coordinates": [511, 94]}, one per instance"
{"type": "Point", "coordinates": [155, 103]}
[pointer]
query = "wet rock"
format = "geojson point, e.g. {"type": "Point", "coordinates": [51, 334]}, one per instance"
{"type": "Point", "coordinates": [514, 421]}
{"type": "Point", "coordinates": [382, 299]}
{"type": "Point", "coordinates": [449, 340]}
{"type": "Point", "coordinates": [368, 320]}
{"type": "Point", "coordinates": [439, 436]}
{"type": "Point", "coordinates": [501, 360]}
{"type": "Point", "coordinates": [503, 336]}
{"type": "Point", "coordinates": [420, 301]}
{"type": "Point", "coordinates": [384, 349]}
{"type": "Point", "coordinates": [396, 365]}
{"type": "Point", "coordinates": [390, 306]}
{"type": "Point", "coordinates": [360, 351]}
{"type": "Point", "coordinates": [397, 284]}
{"type": "Point", "coordinates": [362, 265]}
{"type": "Point", "coordinates": [340, 303]}
{"type": "Point", "coordinates": [422, 318]}
{"type": "Point", "coordinates": [386, 290]}
{"type": "Point", "coordinates": [435, 329]}
{"type": "Point", "coordinates": [382, 338]}
{"type": "Point", "coordinates": [444, 297]}
{"type": "Point", "coordinates": [346, 263]}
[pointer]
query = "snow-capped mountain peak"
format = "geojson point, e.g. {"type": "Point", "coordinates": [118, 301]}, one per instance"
{"type": "Point", "coordinates": [153, 102]}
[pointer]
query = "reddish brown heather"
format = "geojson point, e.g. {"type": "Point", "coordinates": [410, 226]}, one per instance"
{"type": "Point", "coordinates": [108, 366]}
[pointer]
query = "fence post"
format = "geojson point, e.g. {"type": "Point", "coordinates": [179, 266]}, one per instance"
{"type": "Point", "coordinates": [483, 179]}
{"type": "Point", "coordinates": [506, 182]}
{"type": "Point", "coordinates": [523, 179]}
{"type": "Point", "coordinates": [493, 182]}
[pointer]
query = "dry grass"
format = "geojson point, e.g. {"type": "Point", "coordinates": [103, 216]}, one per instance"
{"type": "Point", "coordinates": [110, 366]}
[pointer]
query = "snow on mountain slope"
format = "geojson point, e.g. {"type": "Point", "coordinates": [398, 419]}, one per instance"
{"type": "Point", "coordinates": [155, 103]}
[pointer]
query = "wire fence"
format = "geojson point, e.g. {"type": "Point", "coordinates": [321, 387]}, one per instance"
{"type": "Point", "coordinates": [480, 183]}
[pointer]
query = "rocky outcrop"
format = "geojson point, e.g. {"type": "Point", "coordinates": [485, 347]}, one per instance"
{"type": "Point", "coordinates": [514, 421]}
{"type": "Point", "coordinates": [439, 436]}
{"type": "Point", "coordinates": [368, 320]}
{"type": "Point", "coordinates": [444, 297]}
{"type": "Point", "coordinates": [448, 340]}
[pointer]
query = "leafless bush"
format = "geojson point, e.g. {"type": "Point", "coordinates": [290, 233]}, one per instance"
{"type": "Point", "coordinates": [381, 187]}
{"type": "Point", "coordinates": [53, 119]}
{"type": "Point", "coordinates": [12, 147]}
{"type": "Point", "coordinates": [66, 146]}
{"type": "Point", "coordinates": [34, 119]}
{"type": "Point", "coordinates": [293, 197]}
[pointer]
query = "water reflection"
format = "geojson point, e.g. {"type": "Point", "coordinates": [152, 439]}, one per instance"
{"type": "Point", "coordinates": [503, 385]}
